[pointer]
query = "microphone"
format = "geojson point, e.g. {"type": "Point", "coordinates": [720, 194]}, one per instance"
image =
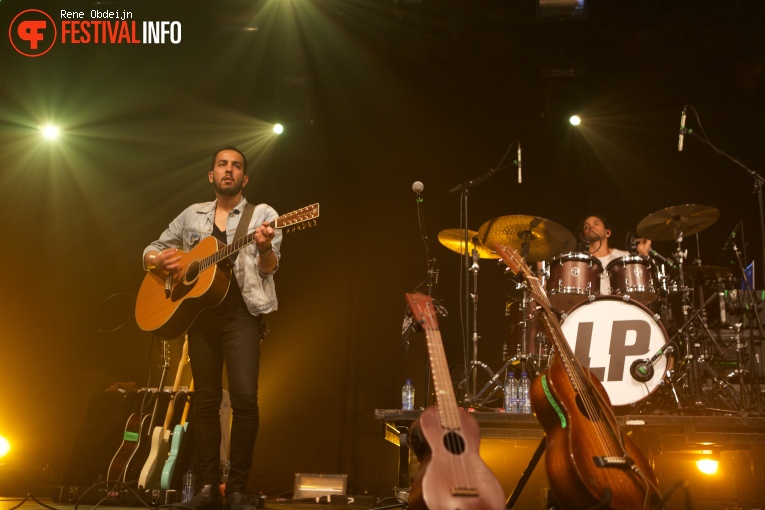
{"type": "Point", "coordinates": [641, 370]}
{"type": "Point", "coordinates": [655, 254]}
{"type": "Point", "coordinates": [731, 239]}
{"type": "Point", "coordinates": [682, 131]}
{"type": "Point", "coordinates": [520, 178]}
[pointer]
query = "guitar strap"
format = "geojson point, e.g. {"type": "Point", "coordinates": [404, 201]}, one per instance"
{"type": "Point", "coordinates": [244, 221]}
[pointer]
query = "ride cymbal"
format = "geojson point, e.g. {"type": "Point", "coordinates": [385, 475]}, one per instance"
{"type": "Point", "coordinates": [545, 238]}
{"type": "Point", "coordinates": [666, 224]}
{"type": "Point", "coordinates": [454, 239]}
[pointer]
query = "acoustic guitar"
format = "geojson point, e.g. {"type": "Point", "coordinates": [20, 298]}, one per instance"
{"type": "Point", "coordinates": [587, 456]}
{"type": "Point", "coordinates": [168, 305]}
{"type": "Point", "coordinates": [446, 438]}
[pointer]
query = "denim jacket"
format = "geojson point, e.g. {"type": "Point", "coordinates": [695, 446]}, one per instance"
{"type": "Point", "coordinates": [196, 222]}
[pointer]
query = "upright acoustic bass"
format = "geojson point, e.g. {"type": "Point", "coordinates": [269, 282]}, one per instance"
{"type": "Point", "coordinates": [589, 460]}
{"type": "Point", "coordinates": [446, 438]}
{"type": "Point", "coordinates": [168, 306]}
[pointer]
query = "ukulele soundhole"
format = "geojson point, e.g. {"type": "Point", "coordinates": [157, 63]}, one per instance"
{"type": "Point", "coordinates": [454, 443]}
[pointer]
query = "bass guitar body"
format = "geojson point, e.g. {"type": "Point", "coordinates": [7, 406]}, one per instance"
{"type": "Point", "coordinates": [452, 475]}
{"type": "Point", "coordinates": [578, 466]}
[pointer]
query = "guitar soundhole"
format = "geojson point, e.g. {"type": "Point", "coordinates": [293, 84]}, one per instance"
{"type": "Point", "coordinates": [454, 443]}
{"type": "Point", "coordinates": [192, 272]}
{"type": "Point", "coordinates": [587, 412]}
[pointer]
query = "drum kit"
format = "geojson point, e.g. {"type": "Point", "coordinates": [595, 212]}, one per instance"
{"type": "Point", "coordinates": [624, 338]}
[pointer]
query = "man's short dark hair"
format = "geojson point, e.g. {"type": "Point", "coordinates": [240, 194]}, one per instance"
{"type": "Point", "coordinates": [229, 148]}
{"type": "Point", "coordinates": [606, 223]}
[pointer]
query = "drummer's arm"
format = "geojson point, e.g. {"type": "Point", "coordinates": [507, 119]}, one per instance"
{"type": "Point", "coordinates": [643, 246]}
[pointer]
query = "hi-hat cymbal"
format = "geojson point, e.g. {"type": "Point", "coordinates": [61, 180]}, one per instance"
{"type": "Point", "coordinates": [666, 224]}
{"type": "Point", "coordinates": [454, 239]}
{"type": "Point", "coordinates": [546, 238]}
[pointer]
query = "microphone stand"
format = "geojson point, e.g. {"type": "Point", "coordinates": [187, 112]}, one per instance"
{"type": "Point", "coordinates": [432, 281]}
{"type": "Point", "coordinates": [468, 265]}
{"type": "Point", "coordinates": [757, 180]}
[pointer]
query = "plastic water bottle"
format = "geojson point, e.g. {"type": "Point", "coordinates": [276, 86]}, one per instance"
{"type": "Point", "coordinates": [524, 403]}
{"type": "Point", "coordinates": [188, 486]}
{"type": "Point", "coordinates": [407, 396]}
{"type": "Point", "coordinates": [511, 393]}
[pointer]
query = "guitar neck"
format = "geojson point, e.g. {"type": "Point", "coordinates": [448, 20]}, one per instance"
{"type": "Point", "coordinates": [286, 221]}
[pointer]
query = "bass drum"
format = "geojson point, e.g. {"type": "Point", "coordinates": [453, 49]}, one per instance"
{"type": "Point", "coordinates": [607, 334]}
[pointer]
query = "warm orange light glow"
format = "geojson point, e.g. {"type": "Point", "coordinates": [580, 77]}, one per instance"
{"type": "Point", "coordinates": [707, 466]}
{"type": "Point", "coordinates": [5, 446]}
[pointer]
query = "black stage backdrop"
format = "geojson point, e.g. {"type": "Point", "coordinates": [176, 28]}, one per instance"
{"type": "Point", "coordinates": [374, 95]}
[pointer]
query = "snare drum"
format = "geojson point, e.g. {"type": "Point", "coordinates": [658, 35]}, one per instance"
{"type": "Point", "coordinates": [633, 275]}
{"type": "Point", "coordinates": [607, 335]}
{"type": "Point", "coordinates": [573, 277]}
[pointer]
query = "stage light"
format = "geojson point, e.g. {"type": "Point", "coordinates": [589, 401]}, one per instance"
{"type": "Point", "coordinates": [5, 446]}
{"type": "Point", "coordinates": [707, 466]}
{"type": "Point", "coordinates": [50, 131]}
{"type": "Point", "coordinates": [575, 120]}
{"type": "Point", "coordinates": [278, 129]}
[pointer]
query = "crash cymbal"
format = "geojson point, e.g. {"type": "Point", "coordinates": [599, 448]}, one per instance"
{"type": "Point", "coordinates": [703, 273]}
{"type": "Point", "coordinates": [664, 225]}
{"type": "Point", "coordinates": [546, 238]}
{"type": "Point", "coordinates": [454, 239]}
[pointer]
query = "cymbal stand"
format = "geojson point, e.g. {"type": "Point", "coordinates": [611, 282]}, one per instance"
{"type": "Point", "coordinates": [692, 345]}
{"type": "Point", "coordinates": [475, 337]}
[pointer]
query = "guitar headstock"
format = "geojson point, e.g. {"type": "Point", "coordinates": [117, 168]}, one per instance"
{"type": "Point", "coordinates": [422, 310]}
{"type": "Point", "coordinates": [513, 259]}
{"type": "Point", "coordinates": [299, 219]}
{"type": "Point", "coordinates": [515, 262]}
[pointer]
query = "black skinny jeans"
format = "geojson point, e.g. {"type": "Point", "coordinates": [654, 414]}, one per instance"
{"type": "Point", "coordinates": [229, 335]}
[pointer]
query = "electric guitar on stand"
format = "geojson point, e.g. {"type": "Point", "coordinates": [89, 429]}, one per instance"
{"type": "Point", "coordinates": [160, 438]}
{"type": "Point", "coordinates": [168, 306]}
{"type": "Point", "coordinates": [175, 446]}
{"type": "Point", "coordinates": [452, 474]}
{"type": "Point", "coordinates": [589, 460]}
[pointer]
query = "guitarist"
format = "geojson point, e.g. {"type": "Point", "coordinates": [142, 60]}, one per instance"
{"type": "Point", "coordinates": [228, 333]}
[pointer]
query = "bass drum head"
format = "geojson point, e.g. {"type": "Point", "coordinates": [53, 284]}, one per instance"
{"type": "Point", "coordinates": [607, 334]}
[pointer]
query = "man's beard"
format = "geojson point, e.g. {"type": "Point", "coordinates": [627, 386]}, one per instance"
{"type": "Point", "coordinates": [228, 192]}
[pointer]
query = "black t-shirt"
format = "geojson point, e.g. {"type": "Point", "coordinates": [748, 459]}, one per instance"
{"type": "Point", "coordinates": [233, 303]}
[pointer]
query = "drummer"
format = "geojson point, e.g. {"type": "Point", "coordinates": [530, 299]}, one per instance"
{"type": "Point", "coordinates": [596, 231]}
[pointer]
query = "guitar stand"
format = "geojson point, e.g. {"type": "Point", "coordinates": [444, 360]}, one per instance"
{"type": "Point", "coordinates": [513, 498]}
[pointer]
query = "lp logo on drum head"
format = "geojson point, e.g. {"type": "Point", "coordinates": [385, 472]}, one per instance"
{"type": "Point", "coordinates": [607, 335]}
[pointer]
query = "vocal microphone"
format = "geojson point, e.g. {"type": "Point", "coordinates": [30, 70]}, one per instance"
{"type": "Point", "coordinates": [682, 131]}
{"type": "Point", "coordinates": [731, 238]}
{"type": "Point", "coordinates": [671, 263]}
{"type": "Point", "coordinates": [520, 178]}
{"type": "Point", "coordinates": [641, 370]}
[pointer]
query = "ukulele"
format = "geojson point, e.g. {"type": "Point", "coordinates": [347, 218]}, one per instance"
{"type": "Point", "coordinates": [587, 457]}
{"type": "Point", "coordinates": [446, 438]}
{"type": "Point", "coordinates": [168, 305]}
